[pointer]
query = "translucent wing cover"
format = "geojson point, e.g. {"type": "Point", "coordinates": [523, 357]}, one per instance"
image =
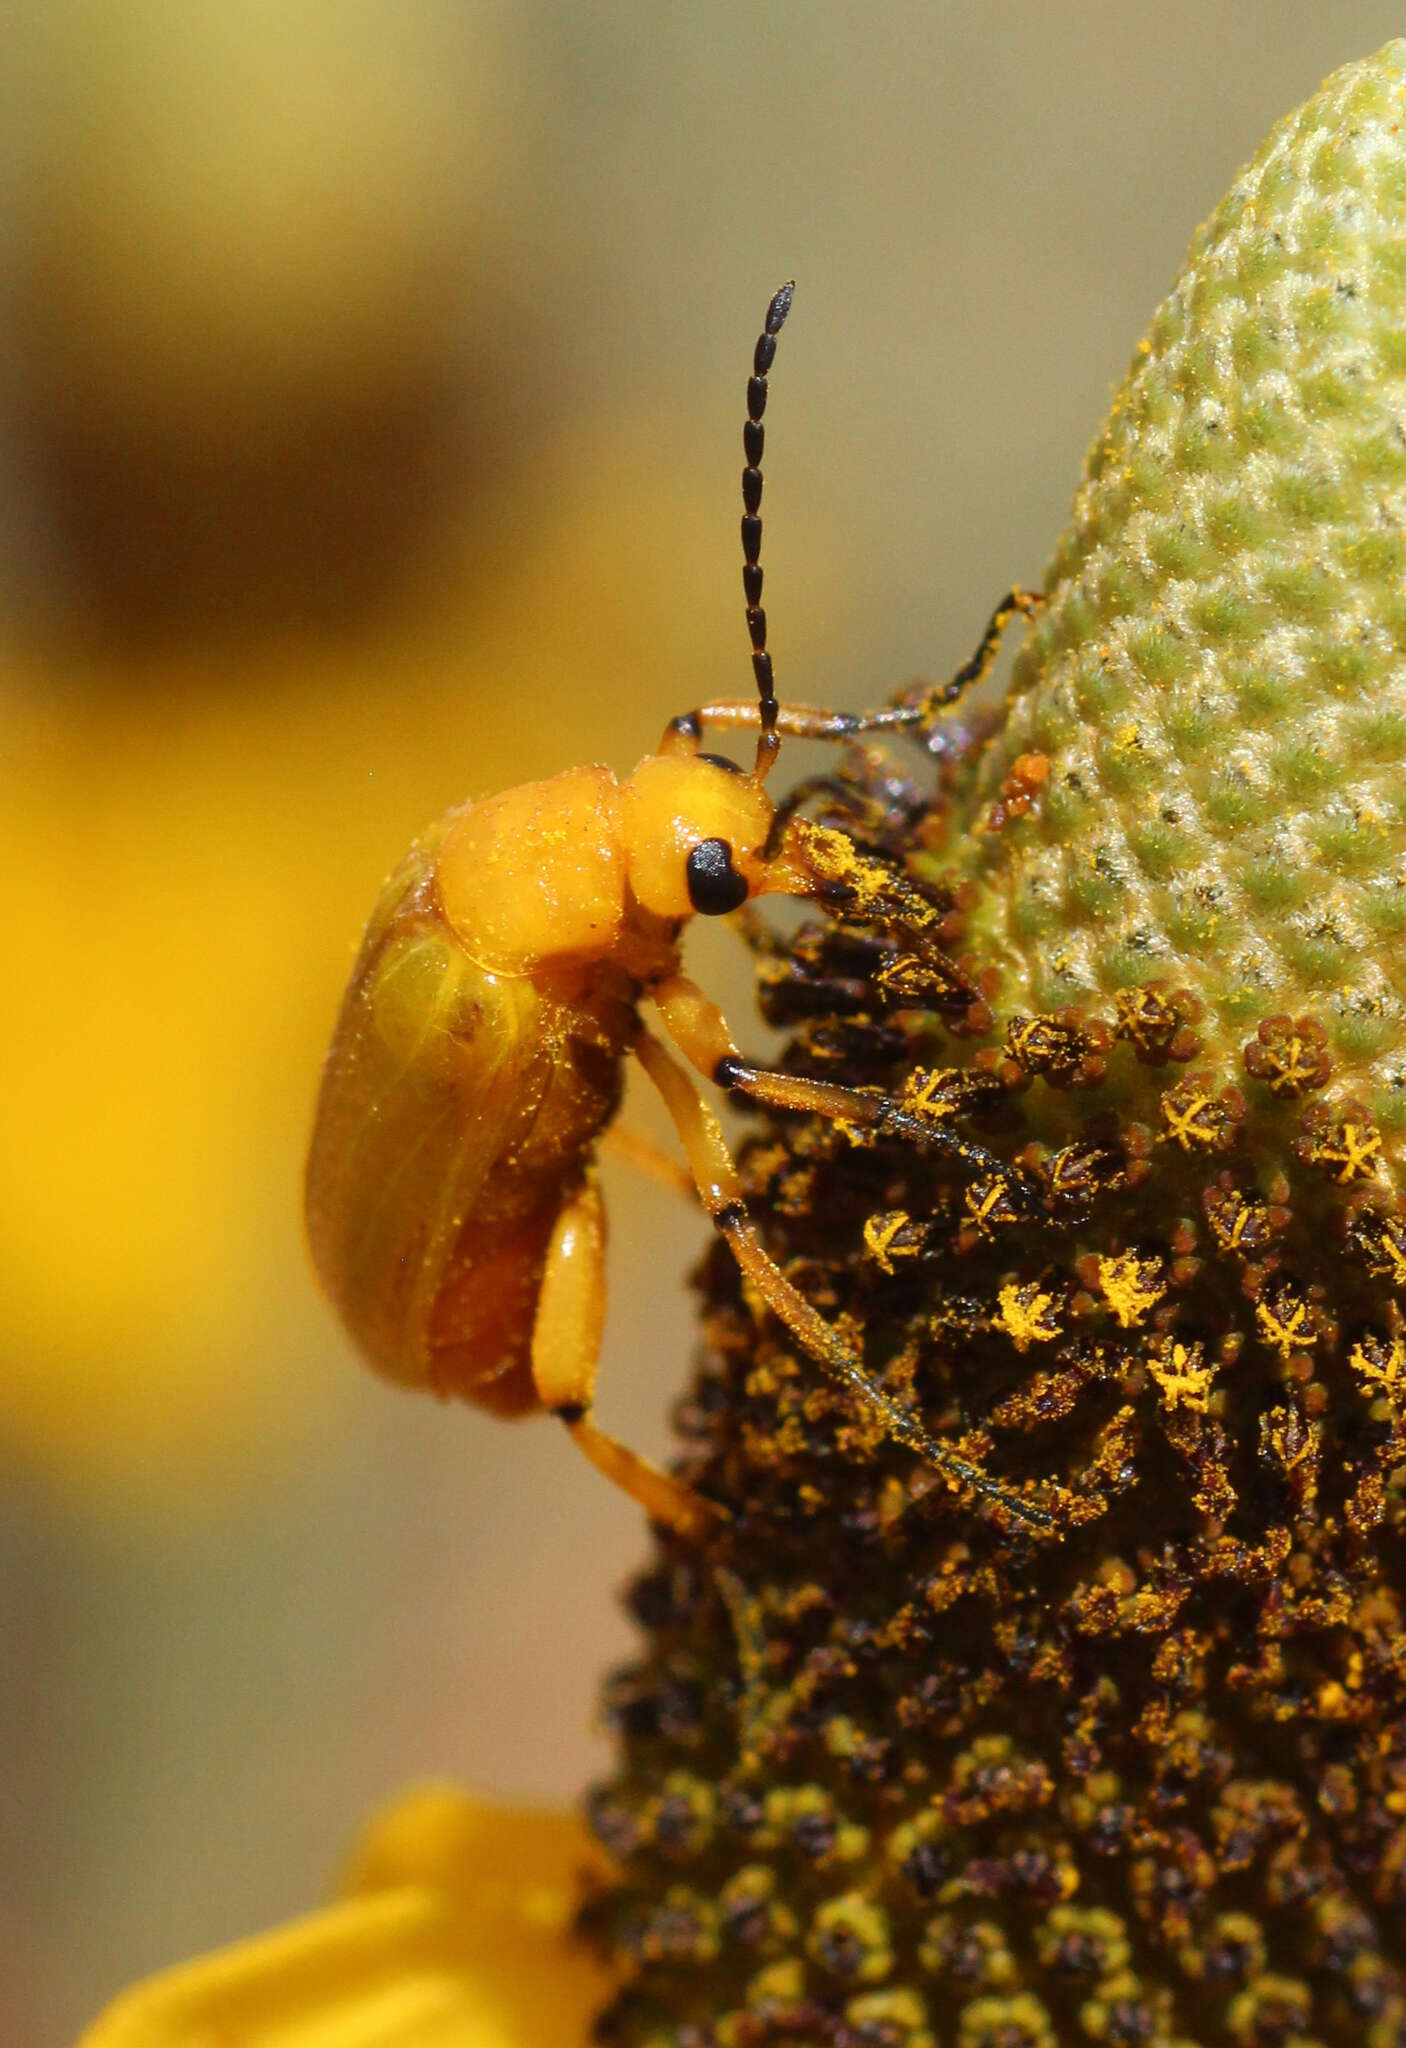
{"type": "Point", "coordinates": [435, 1068]}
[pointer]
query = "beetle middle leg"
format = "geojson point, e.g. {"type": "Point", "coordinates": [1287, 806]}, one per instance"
{"type": "Point", "coordinates": [700, 1031]}
{"type": "Point", "coordinates": [566, 1337]}
{"type": "Point", "coordinates": [721, 1193]}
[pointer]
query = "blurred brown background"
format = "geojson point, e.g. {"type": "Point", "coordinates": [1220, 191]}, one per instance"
{"type": "Point", "coordinates": [371, 380]}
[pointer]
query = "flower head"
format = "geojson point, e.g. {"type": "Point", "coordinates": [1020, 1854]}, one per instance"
{"type": "Point", "coordinates": [897, 1769]}
{"type": "Point", "coordinates": [898, 1765]}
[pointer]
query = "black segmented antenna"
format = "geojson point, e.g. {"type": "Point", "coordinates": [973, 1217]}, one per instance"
{"type": "Point", "coordinates": [753, 441]}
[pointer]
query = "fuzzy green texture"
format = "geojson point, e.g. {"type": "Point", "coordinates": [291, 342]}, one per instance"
{"type": "Point", "coordinates": [1219, 677]}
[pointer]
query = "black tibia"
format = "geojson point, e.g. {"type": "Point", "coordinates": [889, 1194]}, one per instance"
{"type": "Point", "coordinates": [924, 708]}
{"type": "Point", "coordinates": [917, 1122]}
{"type": "Point", "coordinates": [689, 1023]}
{"type": "Point", "coordinates": [927, 706]}
{"type": "Point", "coordinates": [1017, 601]}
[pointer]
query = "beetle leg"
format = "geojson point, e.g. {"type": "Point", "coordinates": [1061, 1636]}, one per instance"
{"type": "Point", "coordinates": [721, 1192]}
{"type": "Point", "coordinates": [566, 1336]}
{"type": "Point", "coordinates": [927, 707]}
{"type": "Point", "coordinates": [646, 1157]}
{"type": "Point", "coordinates": [684, 735]}
{"type": "Point", "coordinates": [700, 1031]}
{"type": "Point", "coordinates": [818, 862]}
{"type": "Point", "coordinates": [806, 722]}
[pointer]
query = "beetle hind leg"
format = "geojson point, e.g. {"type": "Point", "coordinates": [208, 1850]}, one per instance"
{"type": "Point", "coordinates": [566, 1336]}
{"type": "Point", "coordinates": [626, 1143]}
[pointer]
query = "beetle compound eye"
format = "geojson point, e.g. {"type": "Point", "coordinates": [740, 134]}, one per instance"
{"type": "Point", "coordinates": [714, 885]}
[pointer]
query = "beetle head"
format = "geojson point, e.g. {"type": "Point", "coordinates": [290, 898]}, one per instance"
{"type": "Point", "coordinates": [693, 832]}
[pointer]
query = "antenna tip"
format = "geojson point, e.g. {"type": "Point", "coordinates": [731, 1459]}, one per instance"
{"type": "Point", "coordinates": [780, 306]}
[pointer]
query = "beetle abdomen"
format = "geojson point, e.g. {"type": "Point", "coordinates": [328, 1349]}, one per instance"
{"type": "Point", "coordinates": [479, 1339]}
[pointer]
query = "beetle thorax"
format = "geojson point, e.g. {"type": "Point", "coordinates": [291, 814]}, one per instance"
{"type": "Point", "coordinates": [537, 875]}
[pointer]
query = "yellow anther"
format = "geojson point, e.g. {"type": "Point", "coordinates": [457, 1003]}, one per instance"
{"type": "Point", "coordinates": [924, 1094]}
{"type": "Point", "coordinates": [1193, 1126]}
{"type": "Point", "coordinates": [1230, 1229]}
{"type": "Point", "coordinates": [1353, 1148]}
{"type": "Point", "coordinates": [1182, 1376]}
{"type": "Point", "coordinates": [1285, 1324]}
{"type": "Point", "coordinates": [1131, 1286]}
{"type": "Point", "coordinates": [882, 1236]}
{"type": "Point", "coordinates": [1027, 1316]}
{"type": "Point", "coordinates": [1381, 1367]}
{"type": "Point", "coordinates": [1394, 1255]}
{"type": "Point", "coordinates": [988, 1204]}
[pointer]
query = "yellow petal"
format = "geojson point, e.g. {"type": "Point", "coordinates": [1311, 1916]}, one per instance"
{"type": "Point", "coordinates": [457, 1935]}
{"type": "Point", "coordinates": [441, 1836]}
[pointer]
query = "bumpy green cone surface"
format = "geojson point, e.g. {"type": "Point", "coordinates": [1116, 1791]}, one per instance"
{"type": "Point", "coordinates": [1118, 1754]}
{"type": "Point", "coordinates": [1219, 680]}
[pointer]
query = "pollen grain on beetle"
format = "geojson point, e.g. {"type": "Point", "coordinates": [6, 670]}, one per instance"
{"type": "Point", "coordinates": [897, 1768]}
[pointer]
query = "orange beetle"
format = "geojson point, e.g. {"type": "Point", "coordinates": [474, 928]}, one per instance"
{"type": "Point", "coordinates": [452, 1203]}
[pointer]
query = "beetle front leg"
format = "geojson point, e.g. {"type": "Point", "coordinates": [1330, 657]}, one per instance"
{"type": "Point", "coordinates": [815, 861]}
{"type": "Point", "coordinates": [566, 1337]}
{"type": "Point", "coordinates": [684, 735]}
{"type": "Point", "coordinates": [919, 712]}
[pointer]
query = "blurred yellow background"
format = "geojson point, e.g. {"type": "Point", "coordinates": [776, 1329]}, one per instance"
{"type": "Point", "coordinates": [371, 379]}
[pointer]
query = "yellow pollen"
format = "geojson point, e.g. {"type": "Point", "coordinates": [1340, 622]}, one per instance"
{"type": "Point", "coordinates": [880, 1233]}
{"type": "Point", "coordinates": [1353, 1149]}
{"type": "Point", "coordinates": [1027, 1316]}
{"type": "Point", "coordinates": [1131, 1286]}
{"type": "Point", "coordinates": [1284, 1333]}
{"type": "Point", "coordinates": [1183, 1378]}
{"type": "Point", "coordinates": [923, 1096]}
{"type": "Point", "coordinates": [1381, 1368]}
{"type": "Point", "coordinates": [1193, 1126]}
{"type": "Point", "coordinates": [982, 1203]}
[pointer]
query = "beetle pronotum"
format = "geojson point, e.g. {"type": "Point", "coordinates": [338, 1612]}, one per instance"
{"type": "Point", "coordinates": [452, 1201]}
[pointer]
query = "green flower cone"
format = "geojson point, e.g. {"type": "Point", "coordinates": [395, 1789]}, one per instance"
{"type": "Point", "coordinates": [1218, 679]}
{"type": "Point", "coordinates": [1119, 1754]}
